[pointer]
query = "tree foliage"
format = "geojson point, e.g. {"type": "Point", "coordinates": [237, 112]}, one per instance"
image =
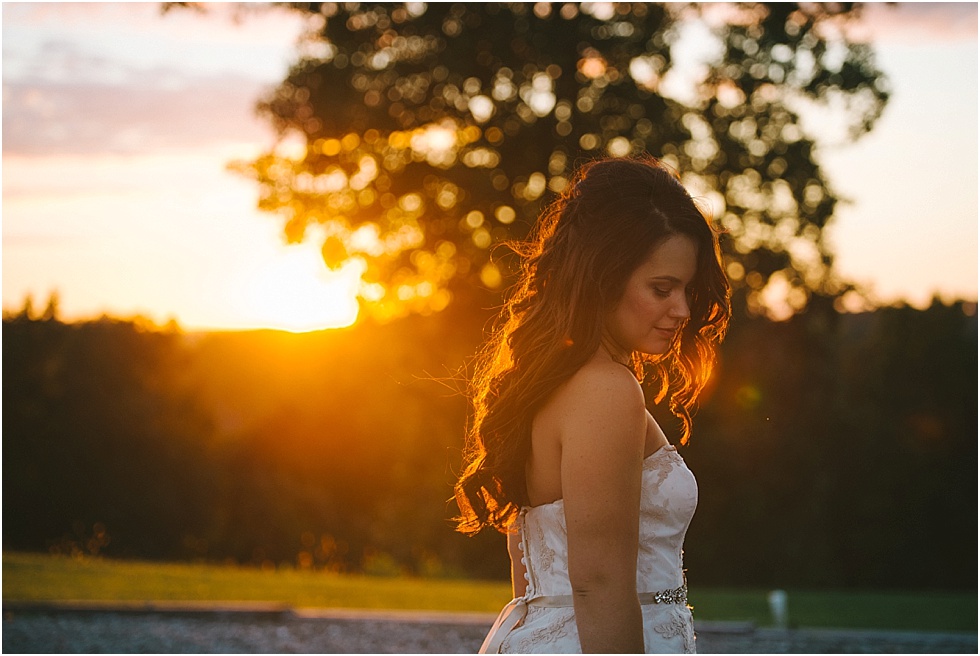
{"type": "Point", "coordinates": [832, 447]}
{"type": "Point", "coordinates": [423, 135]}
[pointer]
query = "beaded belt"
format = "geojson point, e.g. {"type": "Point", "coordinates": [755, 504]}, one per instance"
{"type": "Point", "coordinates": [516, 610]}
{"type": "Point", "coordinates": [674, 596]}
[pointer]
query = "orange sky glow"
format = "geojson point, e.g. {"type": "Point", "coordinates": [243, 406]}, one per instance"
{"type": "Point", "coordinates": [119, 124]}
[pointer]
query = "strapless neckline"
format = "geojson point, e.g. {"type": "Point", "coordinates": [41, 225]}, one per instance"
{"type": "Point", "coordinates": [666, 448]}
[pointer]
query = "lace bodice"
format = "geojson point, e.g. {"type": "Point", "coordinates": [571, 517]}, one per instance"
{"type": "Point", "coordinates": [669, 496]}
{"type": "Point", "coordinates": [668, 499]}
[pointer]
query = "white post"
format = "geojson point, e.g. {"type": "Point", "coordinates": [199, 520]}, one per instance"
{"type": "Point", "coordinates": [778, 609]}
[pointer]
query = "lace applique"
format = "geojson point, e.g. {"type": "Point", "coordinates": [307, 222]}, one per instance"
{"type": "Point", "coordinates": [547, 556]}
{"type": "Point", "coordinates": [679, 626]}
{"type": "Point", "coordinates": [659, 511]}
{"type": "Point", "coordinates": [663, 462]}
{"type": "Point", "coordinates": [555, 631]}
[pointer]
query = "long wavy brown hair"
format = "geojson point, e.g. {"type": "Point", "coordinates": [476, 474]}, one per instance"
{"type": "Point", "coordinates": [575, 266]}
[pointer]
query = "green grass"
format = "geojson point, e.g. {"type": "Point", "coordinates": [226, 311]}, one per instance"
{"type": "Point", "coordinates": [899, 611]}
{"type": "Point", "coordinates": [34, 577]}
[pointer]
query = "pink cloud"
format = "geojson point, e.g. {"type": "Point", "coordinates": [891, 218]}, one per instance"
{"type": "Point", "coordinates": [925, 23]}
{"type": "Point", "coordinates": [122, 78]}
{"type": "Point", "coordinates": [157, 109]}
{"type": "Point", "coordinates": [221, 23]}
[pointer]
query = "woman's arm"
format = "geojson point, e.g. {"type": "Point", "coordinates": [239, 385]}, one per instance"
{"type": "Point", "coordinates": [603, 435]}
{"type": "Point", "coordinates": [517, 567]}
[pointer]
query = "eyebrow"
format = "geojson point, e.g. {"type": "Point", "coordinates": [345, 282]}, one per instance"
{"type": "Point", "coordinates": [672, 279]}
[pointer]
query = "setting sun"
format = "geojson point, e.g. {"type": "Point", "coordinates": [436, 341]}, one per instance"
{"type": "Point", "coordinates": [296, 292]}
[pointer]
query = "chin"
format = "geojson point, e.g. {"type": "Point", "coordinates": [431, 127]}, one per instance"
{"type": "Point", "coordinates": [654, 349]}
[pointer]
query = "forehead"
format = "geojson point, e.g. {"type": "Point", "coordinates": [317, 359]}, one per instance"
{"type": "Point", "coordinates": [675, 257]}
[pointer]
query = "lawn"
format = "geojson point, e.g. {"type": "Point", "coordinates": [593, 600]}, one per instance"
{"type": "Point", "coordinates": [900, 611]}
{"type": "Point", "coordinates": [34, 577]}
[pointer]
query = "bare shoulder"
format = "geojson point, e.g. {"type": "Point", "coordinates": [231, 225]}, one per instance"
{"type": "Point", "coordinates": [603, 387]}
{"type": "Point", "coordinates": [598, 414]}
{"type": "Point", "coordinates": [603, 433]}
{"type": "Point", "coordinates": [600, 403]}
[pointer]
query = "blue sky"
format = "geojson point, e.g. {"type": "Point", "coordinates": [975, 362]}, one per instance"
{"type": "Point", "coordinates": [118, 123]}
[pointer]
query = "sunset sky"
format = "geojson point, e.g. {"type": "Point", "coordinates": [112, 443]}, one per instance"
{"type": "Point", "coordinates": [118, 124]}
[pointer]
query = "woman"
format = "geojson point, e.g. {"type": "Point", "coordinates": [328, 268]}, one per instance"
{"type": "Point", "coordinates": [622, 274]}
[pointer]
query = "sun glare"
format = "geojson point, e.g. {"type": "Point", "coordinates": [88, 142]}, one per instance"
{"type": "Point", "coordinates": [296, 292]}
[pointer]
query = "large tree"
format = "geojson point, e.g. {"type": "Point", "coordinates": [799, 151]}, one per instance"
{"type": "Point", "coordinates": [428, 134]}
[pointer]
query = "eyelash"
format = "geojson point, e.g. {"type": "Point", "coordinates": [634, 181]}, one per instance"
{"type": "Point", "coordinates": [665, 293]}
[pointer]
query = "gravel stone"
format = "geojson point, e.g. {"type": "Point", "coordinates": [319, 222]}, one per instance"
{"type": "Point", "coordinates": [131, 631]}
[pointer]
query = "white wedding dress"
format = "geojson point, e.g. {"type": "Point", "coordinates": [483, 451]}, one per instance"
{"type": "Point", "coordinates": [543, 620]}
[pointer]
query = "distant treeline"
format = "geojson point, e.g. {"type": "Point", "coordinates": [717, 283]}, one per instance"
{"type": "Point", "coordinates": [833, 450]}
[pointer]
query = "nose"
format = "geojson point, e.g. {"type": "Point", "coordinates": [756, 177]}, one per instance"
{"type": "Point", "coordinates": [682, 308]}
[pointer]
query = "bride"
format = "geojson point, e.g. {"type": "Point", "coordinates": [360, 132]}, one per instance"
{"type": "Point", "coordinates": [622, 276]}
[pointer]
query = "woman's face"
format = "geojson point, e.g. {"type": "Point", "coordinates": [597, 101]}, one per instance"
{"type": "Point", "coordinates": [655, 303]}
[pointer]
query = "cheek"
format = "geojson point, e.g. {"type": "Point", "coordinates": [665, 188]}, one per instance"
{"type": "Point", "coordinates": [642, 307]}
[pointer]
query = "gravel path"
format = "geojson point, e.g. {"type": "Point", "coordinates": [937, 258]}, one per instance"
{"type": "Point", "coordinates": [80, 629]}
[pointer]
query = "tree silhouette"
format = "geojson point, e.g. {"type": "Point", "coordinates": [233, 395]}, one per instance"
{"type": "Point", "coordinates": [832, 446]}
{"type": "Point", "coordinates": [430, 133]}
